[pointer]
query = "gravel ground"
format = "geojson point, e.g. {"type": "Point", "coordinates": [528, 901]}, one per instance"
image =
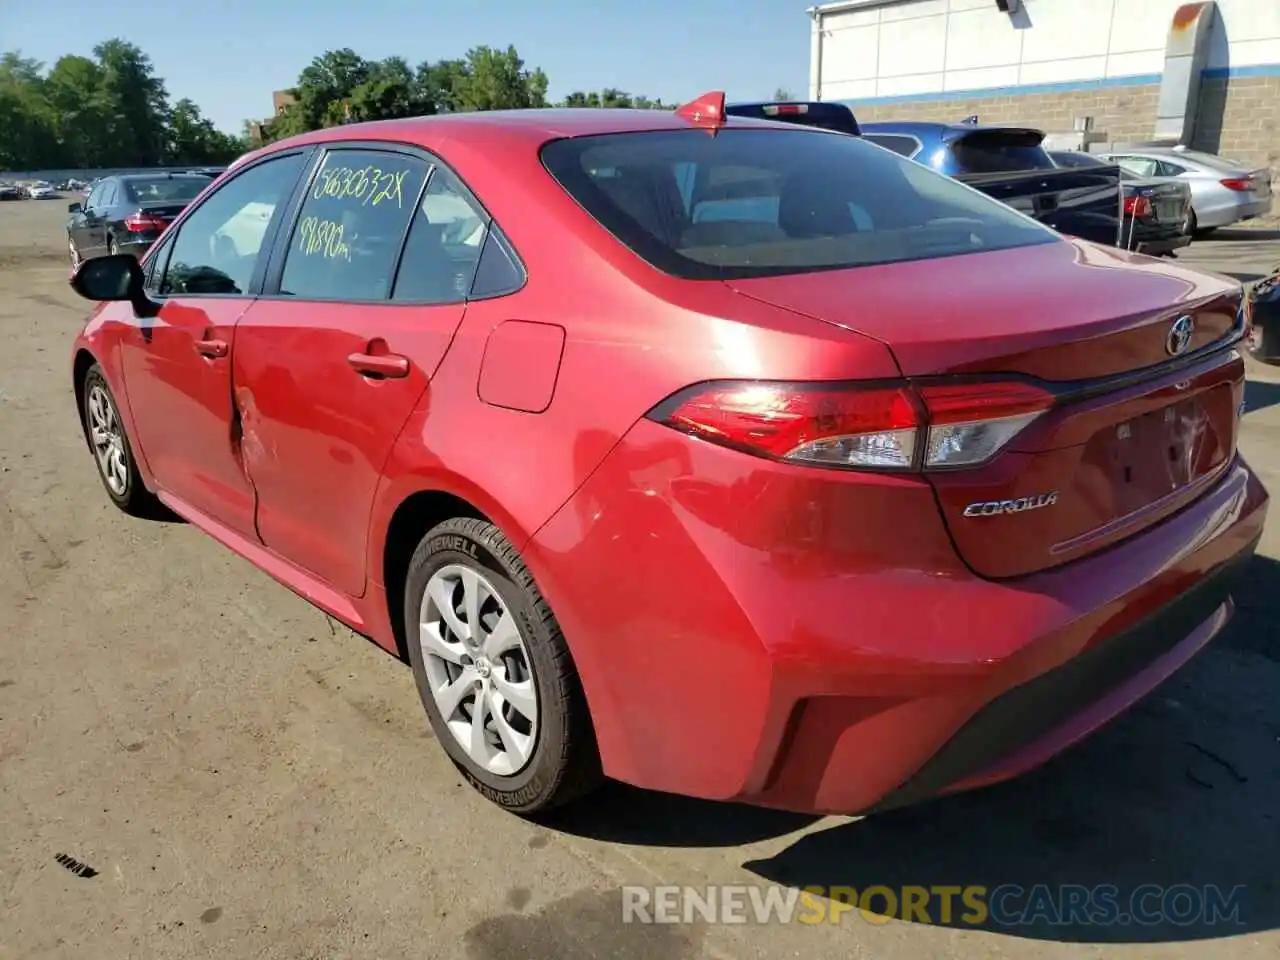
{"type": "Point", "coordinates": [248, 779]}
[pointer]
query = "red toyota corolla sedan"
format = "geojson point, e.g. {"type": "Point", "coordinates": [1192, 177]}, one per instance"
{"type": "Point", "coordinates": [736, 459]}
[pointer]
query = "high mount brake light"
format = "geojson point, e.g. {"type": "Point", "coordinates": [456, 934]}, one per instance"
{"type": "Point", "coordinates": [785, 109]}
{"type": "Point", "coordinates": [871, 427]}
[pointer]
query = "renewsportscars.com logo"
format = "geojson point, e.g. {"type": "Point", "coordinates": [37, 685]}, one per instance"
{"type": "Point", "coordinates": [1008, 905]}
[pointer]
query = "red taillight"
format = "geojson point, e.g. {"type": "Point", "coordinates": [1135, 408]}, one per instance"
{"type": "Point", "coordinates": [1137, 207]}
{"type": "Point", "coordinates": [144, 223]}
{"type": "Point", "coordinates": [1240, 184]}
{"type": "Point", "coordinates": [894, 427]}
{"type": "Point", "coordinates": [785, 109]}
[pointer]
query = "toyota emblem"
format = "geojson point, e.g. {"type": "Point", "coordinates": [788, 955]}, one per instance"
{"type": "Point", "coordinates": [1179, 338]}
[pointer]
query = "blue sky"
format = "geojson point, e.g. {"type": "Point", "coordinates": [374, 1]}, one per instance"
{"type": "Point", "coordinates": [228, 55]}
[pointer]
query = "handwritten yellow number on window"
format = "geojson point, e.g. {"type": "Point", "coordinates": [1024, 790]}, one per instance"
{"type": "Point", "coordinates": [322, 238]}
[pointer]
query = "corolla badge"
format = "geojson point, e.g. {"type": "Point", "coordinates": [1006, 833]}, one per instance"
{"type": "Point", "coordinates": [994, 508]}
{"type": "Point", "coordinates": [1179, 338]}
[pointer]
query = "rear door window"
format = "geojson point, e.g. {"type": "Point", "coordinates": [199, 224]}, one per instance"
{"type": "Point", "coordinates": [748, 203]}
{"type": "Point", "coordinates": [1000, 151]}
{"type": "Point", "coordinates": [444, 245]}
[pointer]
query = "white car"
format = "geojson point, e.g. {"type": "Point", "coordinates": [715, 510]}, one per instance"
{"type": "Point", "coordinates": [1223, 192]}
{"type": "Point", "coordinates": [42, 191]}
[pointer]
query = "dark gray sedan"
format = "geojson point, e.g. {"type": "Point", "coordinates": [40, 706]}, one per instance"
{"type": "Point", "coordinates": [126, 214]}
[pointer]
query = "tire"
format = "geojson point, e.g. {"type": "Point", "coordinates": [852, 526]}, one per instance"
{"type": "Point", "coordinates": [558, 760]}
{"type": "Point", "coordinates": [112, 248]}
{"type": "Point", "coordinates": [73, 252]}
{"type": "Point", "coordinates": [122, 482]}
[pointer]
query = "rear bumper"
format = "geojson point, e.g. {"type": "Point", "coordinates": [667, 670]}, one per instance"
{"type": "Point", "coordinates": [778, 636]}
{"type": "Point", "coordinates": [1155, 248]}
{"type": "Point", "coordinates": [1025, 726]}
{"type": "Point", "coordinates": [1226, 213]}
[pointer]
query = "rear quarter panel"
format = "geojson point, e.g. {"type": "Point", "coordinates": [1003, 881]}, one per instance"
{"type": "Point", "coordinates": [633, 336]}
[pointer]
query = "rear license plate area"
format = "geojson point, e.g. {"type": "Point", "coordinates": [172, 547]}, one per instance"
{"type": "Point", "coordinates": [1161, 452]}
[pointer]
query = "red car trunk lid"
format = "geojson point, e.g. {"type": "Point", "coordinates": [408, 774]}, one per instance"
{"type": "Point", "coordinates": [1148, 411]}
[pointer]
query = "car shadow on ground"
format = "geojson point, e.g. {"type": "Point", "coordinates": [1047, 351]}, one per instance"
{"type": "Point", "coordinates": [1245, 233]}
{"type": "Point", "coordinates": [1260, 394]}
{"type": "Point", "coordinates": [1245, 277]}
{"type": "Point", "coordinates": [1161, 828]}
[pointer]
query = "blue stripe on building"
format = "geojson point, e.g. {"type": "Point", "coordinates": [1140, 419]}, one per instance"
{"type": "Point", "coordinates": [1067, 86]}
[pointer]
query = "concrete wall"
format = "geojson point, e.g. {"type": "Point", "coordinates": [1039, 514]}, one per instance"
{"type": "Point", "coordinates": [1055, 61]}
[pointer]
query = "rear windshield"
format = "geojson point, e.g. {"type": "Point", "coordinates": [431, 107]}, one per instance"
{"type": "Point", "coordinates": [1000, 151]}
{"type": "Point", "coordinates": [750, 203]}
{"type": "Point", "coordinates": [161, 189]}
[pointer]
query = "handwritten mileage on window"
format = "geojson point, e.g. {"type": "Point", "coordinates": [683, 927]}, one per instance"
{"type": "Point", "coordinates": [317, 237]}
{"type": "Point", "coordinates": [370, 186]}
{"type": "Point", "coordinates": [352, 209]}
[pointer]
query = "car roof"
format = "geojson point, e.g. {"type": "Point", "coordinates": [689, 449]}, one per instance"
{"type": "Point", "coordinates": [516, 128]}
{"type": "Point", "coordinates": [158, 175]}
{"type": "Point", "coordinates": [946, 131]}
{"type": "Point", "coordinates": [1210, 160]}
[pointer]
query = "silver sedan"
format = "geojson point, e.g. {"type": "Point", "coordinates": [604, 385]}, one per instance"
{"type": "Point", "coordinates": [1223, 191]}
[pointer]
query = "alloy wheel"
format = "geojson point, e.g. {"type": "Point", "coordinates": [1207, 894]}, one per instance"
{"type": "Point", "coordinates": [107, 437]}
{"type": "Point", "coordinates": [75, 254]}
{"type": "Point", "coordinates": [478, 669]}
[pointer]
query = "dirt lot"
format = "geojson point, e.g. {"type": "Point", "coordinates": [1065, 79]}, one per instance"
{"type": "Point", "coordinates": [249, 780]}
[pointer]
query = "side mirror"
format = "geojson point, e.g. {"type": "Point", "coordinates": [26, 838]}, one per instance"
{"type": "Point", "coordinates": [114, 278]}
{"type": "Point", "coordinates": [74, 208]}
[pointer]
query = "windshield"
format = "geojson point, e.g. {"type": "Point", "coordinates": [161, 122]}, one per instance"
{"type": "Point", "coordinates": [749, 203]}
{"type": "Point", "coordinates": [166, 189]}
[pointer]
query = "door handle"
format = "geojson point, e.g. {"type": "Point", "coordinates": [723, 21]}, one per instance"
{"type": "Point", "coordinates": [213, 349]}
{"type": "Point", "coordinates": [379, 365]}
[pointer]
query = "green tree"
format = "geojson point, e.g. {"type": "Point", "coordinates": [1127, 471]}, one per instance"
{"type": "Point", "coordinates": [194, 140]}
{"type": "Point", "coordinates": [340, 85]}
{"type": "Point", "coordinates": [139, 104]}
{"type": "Point", "coordinates": [27, 123]}
{"type": "Point", "coordinates": [85, 115]}
{"type": "Point", "coordinates": [110, 110]}
{"type": "Point", "coordinates": [492, 79]}
{"type": "Point", "coordinates": [389, 91]}
{"type": "Point", "coordinates": [611, 97]}
{"type": "Point", "coordinates": [782, 93]}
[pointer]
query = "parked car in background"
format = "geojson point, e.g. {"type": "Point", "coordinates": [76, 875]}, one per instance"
{"type": "Point", "coordinates": [822, 114]}
{"type": "Point", "coordinates": [10, 191]}
{"type": "Point", "coordinates": [1263, 340]}
{"type": "Point", "coordinates": [1011, 165]}
{"type": "Point", "coordinates": [559, 402]}
{"type": "Point", "coordinates": [125, 214]}
{"type": "Point", "coordinates": [1157, 211]}
{"type": "Point", "coordinates": [1223, 191]}
{"type": "Point", "coordinates": [41, 191]}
